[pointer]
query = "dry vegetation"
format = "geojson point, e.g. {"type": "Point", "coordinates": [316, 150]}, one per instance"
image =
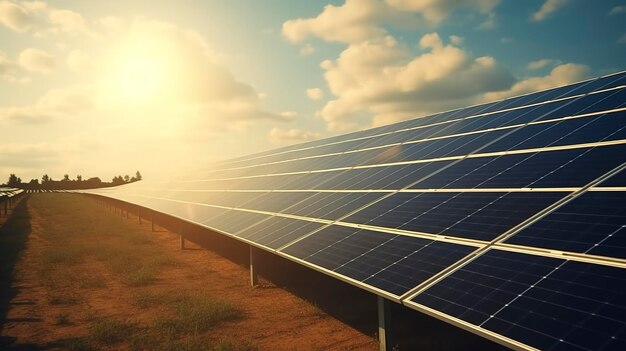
{"type": "Point", "coordinates": [89, 280]}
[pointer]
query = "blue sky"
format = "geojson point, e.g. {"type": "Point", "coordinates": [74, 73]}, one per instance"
{"type": "Point", "coordinates": [100, 88]}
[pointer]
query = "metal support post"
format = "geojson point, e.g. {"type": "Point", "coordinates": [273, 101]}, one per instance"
{"type": "Point", "coordinates": [152, 220]}
{"type": "Point", "coordinates": [181, 237]}
{"type": "Point", "coordinates": [384, 324]}
{"type": "Point", "coordinates": [254, 279]}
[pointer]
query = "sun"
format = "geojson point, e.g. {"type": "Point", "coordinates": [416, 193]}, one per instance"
{"type": "Point", "coordinates": [140, 78]}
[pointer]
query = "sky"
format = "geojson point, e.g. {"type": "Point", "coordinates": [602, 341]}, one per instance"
{"type": "Point", "coordinates": [111, 87]}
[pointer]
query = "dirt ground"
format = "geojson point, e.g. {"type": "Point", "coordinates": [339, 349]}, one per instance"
{"type": "Point", "coordinates": [273, 319]}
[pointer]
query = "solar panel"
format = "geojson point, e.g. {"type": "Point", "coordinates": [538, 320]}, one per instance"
{"type": "Point", "coordinates": [505, 218]}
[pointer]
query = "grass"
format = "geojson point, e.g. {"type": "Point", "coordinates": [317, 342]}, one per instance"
{"type": "Point", "coordinates": [195, 314]}
{"type": "Point", "coordinates": [88, 249]}
{"type": "Point", "coordinates": [62, 319]}
{"type": "Point", "coordinates": [111, 331]}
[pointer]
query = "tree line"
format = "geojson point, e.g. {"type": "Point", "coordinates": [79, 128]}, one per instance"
{"type": "Point", "coordinates": [47, 183]}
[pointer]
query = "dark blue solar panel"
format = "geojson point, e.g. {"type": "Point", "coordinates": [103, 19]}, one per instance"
{"type": "Point", "coordinates": [393, 263]}
{"type": "Point", "coordinates": [561, 168]}
{"type": "Point", "coordinates": [617, 180]}
{"type": "Point", "coordinates": [390, 177]}
{"type": "Point", "coordinates": [276, 232]}
{"type": "Point", "coordinates": [481, 216]}
{"type": "Point", "coordinates": [547, 303]}
{"type": "Point", "coordinates": [275, 201]}
{"type": "Point", "coordinates": [331, 205]}
{"type": "Point", "coordinates": [593, 223]}
{"type": "Point", "coordinates": [569, 132]}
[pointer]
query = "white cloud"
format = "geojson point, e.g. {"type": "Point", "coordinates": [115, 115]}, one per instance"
{"type": "Point", "coordinates": [36, 60]}
{"type": "Point", "coordinates": [288, 115]}
{"type": "Point", "coordinates": [547, 8]}
{"type": "Point", "coordinates": [456, 40]}
{"type": "Point", "coordinates": [14, 16]}
{"type": "Point", "coordinates": [617, 10]}
{"type": "Point", "coordinates": [56, 103]}
{"type": "Point", "coordinates": [278, 136]}
{"type": "Point", "coordinates": [315, 93]}
{"type": "Point", "coordinates": [307, 49]}
{"type": "Point", "coordinates": [353, 21]}
{"type": "Point", "coordinates": [80, 62]}
{"type": "Point", "coordinates": [385, 79]}
{"type": "Point", "coordinates": [538, 64]}
{"type": "Point", "coordinates": [489, 23]}
{"type": "Point", "coordinates": [560, 75]}
{"type": "Point", "coordinates": [436, 11]}
{"type": "Point", "coordinates": [67, 21]}
{"type": "Point", "coordinates": [42, 20]}
{"type": "Point", "coordinates": [8, 69]}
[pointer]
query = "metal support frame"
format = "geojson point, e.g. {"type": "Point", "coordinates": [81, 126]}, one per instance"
{"type": "Point", "coordinates": [152, 220]}
{"type": "Point", "coordinates": [384, 324]}
{"type": "Point", "coordinates": [254, 279]}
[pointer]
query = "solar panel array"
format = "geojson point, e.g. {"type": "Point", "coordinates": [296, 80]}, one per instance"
{"type": "Point", "coordinates": [506, 218]}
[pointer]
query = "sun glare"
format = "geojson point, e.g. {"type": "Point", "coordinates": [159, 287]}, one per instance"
{"type": "Point", "coordinates": [140, 78]}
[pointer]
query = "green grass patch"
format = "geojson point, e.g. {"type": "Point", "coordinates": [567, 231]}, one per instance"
{"type": "Point", "coordinates": [111, 331]}
{"type": "Point", "coordinates": [196, 314]}
{"type": "Point", "coordinates": [147, 299]}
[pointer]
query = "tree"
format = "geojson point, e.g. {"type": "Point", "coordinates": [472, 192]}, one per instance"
{"type": "Point", "coordinates": [66, 178]}
{"type": "Point", "coordinates": [117, 180]}
{"type": "Point", "coordinates": [138, 175]}
{"type": "Point", "coordinates": [127, 178]}
{"type": "Point", "coordinates": [45, 179]}
{"type": "Point", "coordinates": [14, 181]}
{"type": "Point", "coordinates": [79, 178]}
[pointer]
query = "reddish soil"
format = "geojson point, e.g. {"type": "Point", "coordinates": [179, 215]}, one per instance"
{"type": "Point", "coordinates": [274, 319]}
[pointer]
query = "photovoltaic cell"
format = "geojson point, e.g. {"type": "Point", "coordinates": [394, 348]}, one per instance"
{"type": "Point", "coordinates": [593, 223]}
{"type": "Point", "coordinates": [389, 262]}
{"type": "Point", "coordinates": [558, 168]}
{"type": "Point", "coordinates": [276, 231]}
{"type": "Point", "coordinates": [480, 216]}
{"type": "Point", "coordinates": [547, 303]}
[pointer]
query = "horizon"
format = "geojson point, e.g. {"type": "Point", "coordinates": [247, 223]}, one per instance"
{"type": "Point", "coordinates": [91, 88]}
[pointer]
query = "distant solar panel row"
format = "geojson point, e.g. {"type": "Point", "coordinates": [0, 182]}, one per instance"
{"type": "Point", "coordinates": [505, 218]}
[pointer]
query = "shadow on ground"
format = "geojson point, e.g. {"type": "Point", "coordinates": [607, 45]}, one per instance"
{"type": "Point", "coordinates": [13, 236]}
